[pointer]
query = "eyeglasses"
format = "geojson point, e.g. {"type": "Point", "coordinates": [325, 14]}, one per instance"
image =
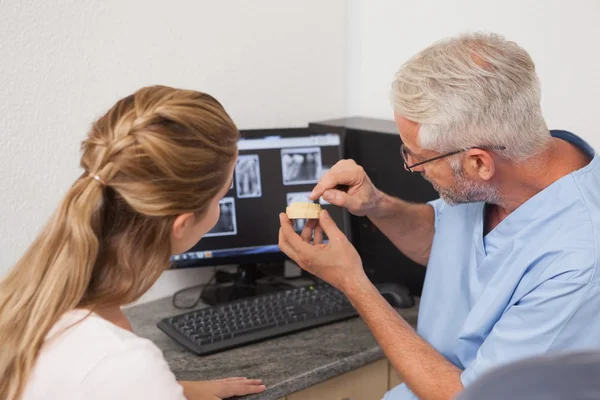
{"type": "Point", "coordinates": [409, 168]}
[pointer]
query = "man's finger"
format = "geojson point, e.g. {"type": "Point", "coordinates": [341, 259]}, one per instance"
{"type": "Point", "coordinates": [337, 197]}
{"type": "Point", "coordinates": [318, 235]}
{"type": "Point", "coordinates": [329, 227]}
{"type": "Point", "coordinates": [332, 179]}
{"type": "Point", "coordinates": [285, 247]}
{"type": "Point", "coordinates": [293, 240]}
{"type": "Point", "coordinates": [307, 231]}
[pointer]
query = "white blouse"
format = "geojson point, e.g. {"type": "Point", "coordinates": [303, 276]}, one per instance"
{"type": "Point", "coordinates": [87, 357]}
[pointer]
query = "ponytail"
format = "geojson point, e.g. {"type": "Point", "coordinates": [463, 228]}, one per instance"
{"type": "Point", "coordinates": [49, 280]}
{"type": "Point", "coordinates": [156, 154]}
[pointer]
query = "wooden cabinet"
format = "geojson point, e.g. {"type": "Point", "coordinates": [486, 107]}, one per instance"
{"type": "Point", "coordinates": [367, 383]}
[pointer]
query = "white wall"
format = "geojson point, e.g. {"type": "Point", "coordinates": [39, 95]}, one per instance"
{"type": "Point", "coordinates": [271, 63]}
{"type": "Point", "coordinates": [561, 36]}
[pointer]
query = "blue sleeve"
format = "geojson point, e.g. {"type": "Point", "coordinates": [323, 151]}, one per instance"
{"type": "Point", "coordinates": [548, 318]}
{"type": "Point", "coordinates": [438, 207]}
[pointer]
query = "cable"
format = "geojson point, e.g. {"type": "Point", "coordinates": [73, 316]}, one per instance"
{"type": "Point", "coordinates": [203, 286]}
{"type": "Point", "coordinates": [271, 277]}
{"type": "Point", "coordinates": [220, 276]}
{"type": "Point", "coordinates": [197, 301]}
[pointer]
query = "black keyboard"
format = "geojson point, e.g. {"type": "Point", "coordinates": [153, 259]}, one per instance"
{"type": "Point", "coordinates": [229, 325]}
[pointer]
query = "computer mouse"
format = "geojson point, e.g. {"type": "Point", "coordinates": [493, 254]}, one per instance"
{"type": "Point", "coordinates": [397, 295]}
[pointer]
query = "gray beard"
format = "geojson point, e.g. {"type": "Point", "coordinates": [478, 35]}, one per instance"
{"type": "Point", "coordinates": [467, 191]}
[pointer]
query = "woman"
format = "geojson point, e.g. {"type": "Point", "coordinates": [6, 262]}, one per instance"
{"type": "Point", "coordinates": [155, 167]}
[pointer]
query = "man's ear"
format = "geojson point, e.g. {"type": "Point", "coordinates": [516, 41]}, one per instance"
{"type": "Point", "coordinates": [182, 224]}
{"type": "Point", "coordinates": [479, 162]}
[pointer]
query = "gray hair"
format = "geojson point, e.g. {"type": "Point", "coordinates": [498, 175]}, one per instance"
{"type": "Point", "coordinates": [473, 90]}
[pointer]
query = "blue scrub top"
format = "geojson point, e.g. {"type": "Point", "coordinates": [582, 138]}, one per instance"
{"type": "Point", "coordinates": [528, 287]}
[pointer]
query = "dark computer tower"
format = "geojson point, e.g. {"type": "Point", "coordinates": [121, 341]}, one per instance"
{"type": "Point", "coordinates": [375, 145]}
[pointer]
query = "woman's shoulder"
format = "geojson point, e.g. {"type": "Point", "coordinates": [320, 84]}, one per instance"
{"type": "Point", "coordinates": [84, 330]}
{"type": "Point", "coordinates": [84, 352]}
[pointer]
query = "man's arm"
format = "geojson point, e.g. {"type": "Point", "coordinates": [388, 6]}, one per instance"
{"type": "Point", "coordinates": [409, 226]}
{"type": "Point", "coordinates": [427, 373]}
{"type": "Point", "coordinates": [547, 318]}
{"type": "Point", "coordinates": [425, 370]}
{"type": "Point", "coordinates": [548, 315]}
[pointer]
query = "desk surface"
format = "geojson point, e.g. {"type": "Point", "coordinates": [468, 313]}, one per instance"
{"type": "Point", "coordinates": [286, 364]}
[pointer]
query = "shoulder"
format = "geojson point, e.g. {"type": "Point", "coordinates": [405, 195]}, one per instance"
{"type": "Point", "coordinates": [549, 377]}
{"type": "Point", "coordinates": [138, 372]}
{"type": "Point", "coordinates": [78, 329]}
{"type": "Point", "coordinates": [85, 352]}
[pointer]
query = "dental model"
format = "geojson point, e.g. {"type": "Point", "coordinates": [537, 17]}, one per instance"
{"type": "Point", "coordinates": [303, 210]}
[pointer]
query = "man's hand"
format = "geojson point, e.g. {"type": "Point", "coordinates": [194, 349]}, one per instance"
{"type": "Point", "coordinates": [361, 197]}
{"type": "Point", "coordinates": [336, 262]}
{"type": "Point", "coordinates": [410, 227]}
{"type": "Point", "coordinates": [427, 373]}
{"type": "Point", "coordinates": [221, 388]}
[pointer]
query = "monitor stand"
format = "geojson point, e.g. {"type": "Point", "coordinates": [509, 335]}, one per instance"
{"type": "Point", "coordinates": [248, 282]}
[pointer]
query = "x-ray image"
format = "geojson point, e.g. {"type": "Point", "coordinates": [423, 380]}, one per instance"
{"type": "Point", "coordinates": [226, 225]}
{"type": "Point", "coordinates": [301, 165]}
{"type": "Point", "coordinates": [247, 176]}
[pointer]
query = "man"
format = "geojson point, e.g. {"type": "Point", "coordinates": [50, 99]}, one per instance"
{"type": "Point", "coordinates": [511, 246]}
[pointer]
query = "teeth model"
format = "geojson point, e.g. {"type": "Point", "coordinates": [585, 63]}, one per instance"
{"type": "Point", "coordinates": [303, 210]}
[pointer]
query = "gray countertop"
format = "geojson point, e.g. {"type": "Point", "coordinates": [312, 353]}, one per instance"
{"type": "Point", "coordinates": [286, 364]}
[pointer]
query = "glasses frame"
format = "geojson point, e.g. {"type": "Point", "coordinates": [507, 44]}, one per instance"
{"type": "Point", "coordinates": [409, 168]}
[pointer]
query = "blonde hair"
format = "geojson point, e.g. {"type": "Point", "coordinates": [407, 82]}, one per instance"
{"type": "Point", "coordinates": [473, 90]}
{"type": "Point", "coordinates": [156, 154]}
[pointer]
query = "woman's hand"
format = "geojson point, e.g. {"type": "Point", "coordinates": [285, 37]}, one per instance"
{"type": "Point", "coordinates": [221, 388]}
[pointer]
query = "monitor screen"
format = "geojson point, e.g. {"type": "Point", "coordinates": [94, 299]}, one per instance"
{"type": "Point", "coordinates": [272, 171]}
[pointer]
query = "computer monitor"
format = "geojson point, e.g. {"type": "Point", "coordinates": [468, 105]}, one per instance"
{"type": "Point", "coordinates": [275, 167]}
